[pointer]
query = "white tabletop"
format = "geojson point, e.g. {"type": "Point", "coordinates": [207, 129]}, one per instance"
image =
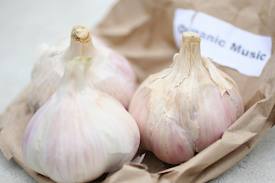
{"type": "Point", "coordinates": [25, 25]}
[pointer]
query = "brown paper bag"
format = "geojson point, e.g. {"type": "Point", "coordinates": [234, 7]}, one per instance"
{"type": "Point", "coordinates": [142, 31]}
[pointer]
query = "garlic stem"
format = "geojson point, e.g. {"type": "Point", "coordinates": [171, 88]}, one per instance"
{"type": "Point", "coordinates": [81, 43]}
{"type": "Point", "coordinates": [76, 72]}
{"type": "Point", "coordinates": [189, 54]}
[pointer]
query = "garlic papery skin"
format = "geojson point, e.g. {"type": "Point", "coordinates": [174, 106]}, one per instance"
{"type": "Point", "coordinates": [80, 132]}
{"type": "Point", "coordinates": [111, 73]}
{"type": "Point", "coordinates": [186, 107]}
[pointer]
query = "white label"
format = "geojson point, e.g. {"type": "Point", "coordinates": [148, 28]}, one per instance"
{"type": "Point", "coordinates": [224, 43]}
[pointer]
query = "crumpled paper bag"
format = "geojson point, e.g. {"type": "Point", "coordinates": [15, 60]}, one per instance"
{"type": "Point", "coordinates": [142, 31]}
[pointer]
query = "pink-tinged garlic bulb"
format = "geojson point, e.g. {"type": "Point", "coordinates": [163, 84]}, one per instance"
{"type": "Point", "coordinates": [80, 132]}
{"type": "Point", "coordinates": [185, 108]}
{"type": "Point", "coordinates": [111, 73]}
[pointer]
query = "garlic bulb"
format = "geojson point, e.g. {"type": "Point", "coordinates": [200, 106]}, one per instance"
{"type": "Point", "coordinates": [183, 109]}
{"type": "Point", "coordinates": [80, 132]}
{"type": "Point", "coordinates": [110, 73]}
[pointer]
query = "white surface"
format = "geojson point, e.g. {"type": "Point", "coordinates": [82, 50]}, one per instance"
{"type": "Point", "coordinates": [228, 45]}
{"type": "Point", "coordinates": [26, 24]}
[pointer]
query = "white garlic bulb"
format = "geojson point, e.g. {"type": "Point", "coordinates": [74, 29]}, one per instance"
{"type": "Point", "coordinates": [110, 73]}
{"type": "Point", "coordinates": [183, 109]}
{"type": "Point", "coordinates": [80, 132]}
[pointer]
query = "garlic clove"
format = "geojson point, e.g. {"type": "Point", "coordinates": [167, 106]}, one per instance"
{"type": "Point", "coordinates": [111, 73]}
{"type": "Point", "coordinates": [80, 132]}
{"type": "Point", "coordinates": [186, 107]}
